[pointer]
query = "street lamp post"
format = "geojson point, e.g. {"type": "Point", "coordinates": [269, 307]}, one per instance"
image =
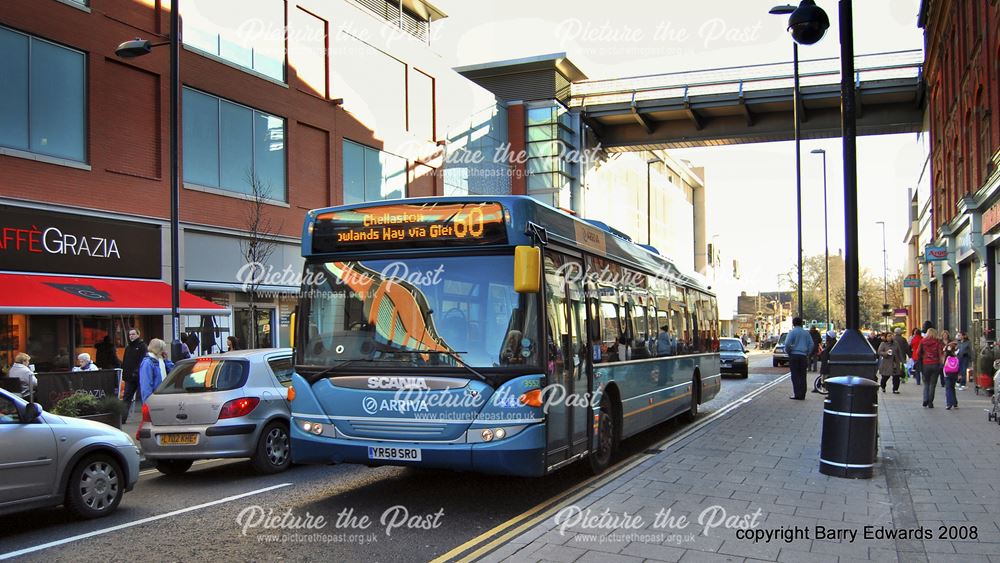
{"type": "Point", "coordinates": [885, 277]}
{"type": "Point", "coordinates": [137, 48]}
{"type": "Point", "coordinates": [826, 238]}
{"type": "Point", "coordinates": [783, 10]}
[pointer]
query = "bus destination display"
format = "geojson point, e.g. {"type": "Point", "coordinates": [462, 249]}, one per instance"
{"type": "Point", "coordinates": [409, 225]}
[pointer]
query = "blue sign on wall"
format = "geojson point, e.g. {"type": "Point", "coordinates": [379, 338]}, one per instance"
{"type": "Point", "coordinates": [935, 253]}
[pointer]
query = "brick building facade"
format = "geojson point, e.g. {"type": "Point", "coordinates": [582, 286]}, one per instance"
{"type": "Point", "coordinates": [962, 69]}
{"type": "Point", "coordinates": [323, 102]}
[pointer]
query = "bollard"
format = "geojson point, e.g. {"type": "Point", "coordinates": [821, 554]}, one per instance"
{"type": "Point", "coordinates": [850, 425]}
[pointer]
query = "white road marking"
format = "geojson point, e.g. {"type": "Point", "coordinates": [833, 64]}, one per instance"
{"type": "Point", "coordinates": [79, 537]}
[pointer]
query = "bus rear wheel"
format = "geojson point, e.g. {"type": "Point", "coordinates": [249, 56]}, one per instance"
{"type": "Point", "coordinates": [600, 458]}
{"type": "Point", "coordinates": [692, 412]}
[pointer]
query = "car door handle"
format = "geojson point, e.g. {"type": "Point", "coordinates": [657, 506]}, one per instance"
{"type": "Point", "coordinates": [182, 416]}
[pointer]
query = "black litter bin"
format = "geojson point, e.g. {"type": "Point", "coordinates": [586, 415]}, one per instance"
{"type": "Point", "coordinates": [850, 427]}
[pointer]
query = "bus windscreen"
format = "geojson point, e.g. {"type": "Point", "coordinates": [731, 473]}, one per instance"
{"type": "Point", "coordinates": [383, 227]}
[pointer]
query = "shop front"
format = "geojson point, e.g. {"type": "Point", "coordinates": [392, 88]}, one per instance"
{"type": "Point", "coordinates": [71, 284]}
{"type": "Point", "coordinates": [261, 296]}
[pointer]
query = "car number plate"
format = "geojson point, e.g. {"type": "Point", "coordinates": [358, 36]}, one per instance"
{"type": "Point", "coordinates": [178, 439]}
{"type": "Point", "coordinates": [393, 454]}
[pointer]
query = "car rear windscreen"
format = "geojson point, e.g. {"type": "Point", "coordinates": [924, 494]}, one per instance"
{"type": "Point", "coordinates": [205, 374]}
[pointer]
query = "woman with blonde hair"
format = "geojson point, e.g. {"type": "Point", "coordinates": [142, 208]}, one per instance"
{"type": "Point", "coordinates": [930, 356]}
{"type": "Point", "coordinates": [152, 370]}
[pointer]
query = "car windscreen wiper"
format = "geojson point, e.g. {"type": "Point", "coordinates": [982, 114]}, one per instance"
{"type": "Point", "coordinates": [451, 353]}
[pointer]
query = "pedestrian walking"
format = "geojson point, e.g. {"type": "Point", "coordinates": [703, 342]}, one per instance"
{"type": "Point", "coordinates": [904, 351]}
{"type": "Point", "coordinates": [185, 350]}
{"type": "Point", "coordinates": [798, 345]}
{"type": "Point", "coordinates": [83, 363]}
{"type": "Point", "coordinates": [946, 340]}
{"type": "Point", "coordinates": [135, 352]}
{"type": "Point", "coordinates": [152, 370]}
{"type": "Point", "coordinates": [193, 342]}
{"type": "Point", "coordinates": [965, 357]}
{"type": "Point", "coordinates": [814, 354]}
{"type": "Point", "coordinates": [949, 376]}
{"type": "Point", "coordinates": [888, 363]}
{"type": "Point", "coordinates": [930, 357]}
{"type": "Point", "coordinates": [824, 355]}
{"type": "Point", "coordinates": [232, 343]}
{"type": "Point", "coordinates": [21, 369]}
{"type": "Point", "coordinates": [915, 339]}
{"type": "Point", "coordinates": [107, 356]}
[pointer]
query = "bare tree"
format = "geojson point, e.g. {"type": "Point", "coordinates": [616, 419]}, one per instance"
{"type": "Point", "coordinates": [258, 245]}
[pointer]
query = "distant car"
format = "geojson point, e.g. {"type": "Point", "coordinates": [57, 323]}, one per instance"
{"type": "Point", "coordinates": [49, 460]}
{"type": "Point", "coordinates": [733, 357]}
{"type": "Point", "coordinates": [228, 405]}
{"type": "Point", "coordinates": [779, 356]}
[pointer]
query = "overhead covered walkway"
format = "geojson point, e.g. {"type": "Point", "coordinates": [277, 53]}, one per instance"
{"type": "Point", "coordinates": [749, 104]}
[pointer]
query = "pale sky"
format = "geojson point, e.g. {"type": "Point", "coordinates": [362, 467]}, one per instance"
{"type": "Point", "coordinates": [751, 188]}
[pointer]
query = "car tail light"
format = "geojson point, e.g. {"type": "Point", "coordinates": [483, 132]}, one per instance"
{"type": "Point", "coordinates": [145, 418]}
{"type": "Point", "coordinates": [239, 407]}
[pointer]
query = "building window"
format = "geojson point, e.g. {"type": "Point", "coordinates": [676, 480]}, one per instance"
{"type": "Point", "coordinates": [985, 150]}
{"type": "Point", "coordinates": [420, 109]}
{"type": "Point", "coordinates": [389, 10]}
{"type": "Point", "coordinates": [549, 140]}
{"type": "Point", "coordinates": [227, 144]}
{"type": "Point", "coordinates": [372, 83]}
{"type": "Point", "coordinates": [371, 174]}
{"type": "Point", "coordinates": [248, 34]}
{"type": "Point", "coordinates": [43, 100]}
{"type": "Point", "coordinates": [307, 50]}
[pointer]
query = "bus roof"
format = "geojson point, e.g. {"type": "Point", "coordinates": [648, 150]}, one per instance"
{"type": "Point", "coordinates": [561, 227]}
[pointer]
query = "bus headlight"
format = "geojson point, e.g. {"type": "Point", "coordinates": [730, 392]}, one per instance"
{"type": "Point", "coordinates": [479, 436]}
{"type": "Point", "coordinates": [312, 427]}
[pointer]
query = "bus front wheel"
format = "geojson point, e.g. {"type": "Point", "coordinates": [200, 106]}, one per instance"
{"type": "Point", "coordinates": [600, 458]}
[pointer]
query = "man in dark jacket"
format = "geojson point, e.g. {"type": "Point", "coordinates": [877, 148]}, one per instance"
{"type": "Point", "coordinates": [904, 347]}
{"type": "Point", "coordinates": [134, 353]}
{"type": "Point", "coordinates": [107, 356]}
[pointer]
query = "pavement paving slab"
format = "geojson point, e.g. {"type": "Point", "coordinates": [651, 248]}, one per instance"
{"type": "Point", "coordinates": [757, 467]}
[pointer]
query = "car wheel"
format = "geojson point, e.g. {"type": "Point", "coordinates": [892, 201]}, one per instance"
{"type": "Point", "coordinates": [600, 458]}
{"type": "Point", "coordinates": [746, 373]}
{"type": "Point", "coordinates": [173, 466]}
{"type": "Point", "coordinates": [96, 486]}
{"type": "Point", "coordinates": [273, 453]}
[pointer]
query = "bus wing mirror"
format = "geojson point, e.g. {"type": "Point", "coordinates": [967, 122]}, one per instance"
{"type": "Point", "coordinates": [527, 269]}
{"type": "Point", "coordinates": [291, 330]}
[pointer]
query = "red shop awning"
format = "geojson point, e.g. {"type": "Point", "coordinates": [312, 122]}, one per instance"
{"type": "Point", "coordinates": [63, 295]}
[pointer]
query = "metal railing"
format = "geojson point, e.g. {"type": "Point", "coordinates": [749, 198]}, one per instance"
{"type": "Point", "coordinates": [740, 80]}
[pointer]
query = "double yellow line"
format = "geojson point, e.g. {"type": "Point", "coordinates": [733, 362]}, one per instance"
{"type": "Point", "coordinates": [493, 538]}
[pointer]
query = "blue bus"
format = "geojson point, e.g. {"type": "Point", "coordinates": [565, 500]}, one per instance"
{"type": "Point", "coordinates": [491, 334]}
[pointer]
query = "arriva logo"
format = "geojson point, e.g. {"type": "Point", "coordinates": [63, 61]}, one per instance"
{"type": "Point", "coordinates": [402, 406]}
{"type": "Point", "coordinates": [397, 383]}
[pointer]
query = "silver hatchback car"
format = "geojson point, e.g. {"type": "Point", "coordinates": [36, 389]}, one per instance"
{"type": "Point", "coordinates": [48, 460]}
{"type": "Point", "coordinates": [221, 405]}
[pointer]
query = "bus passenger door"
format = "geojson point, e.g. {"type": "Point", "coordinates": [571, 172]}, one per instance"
{"type": "Point", "coordinates": [566, 368]}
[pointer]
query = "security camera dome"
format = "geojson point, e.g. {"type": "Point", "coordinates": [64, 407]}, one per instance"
{"type": "Point", "coordinates": [808, 23]}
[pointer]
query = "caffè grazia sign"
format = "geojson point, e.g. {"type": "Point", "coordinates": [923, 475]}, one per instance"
{"type": "Point", "coordinates": [33, 240]}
